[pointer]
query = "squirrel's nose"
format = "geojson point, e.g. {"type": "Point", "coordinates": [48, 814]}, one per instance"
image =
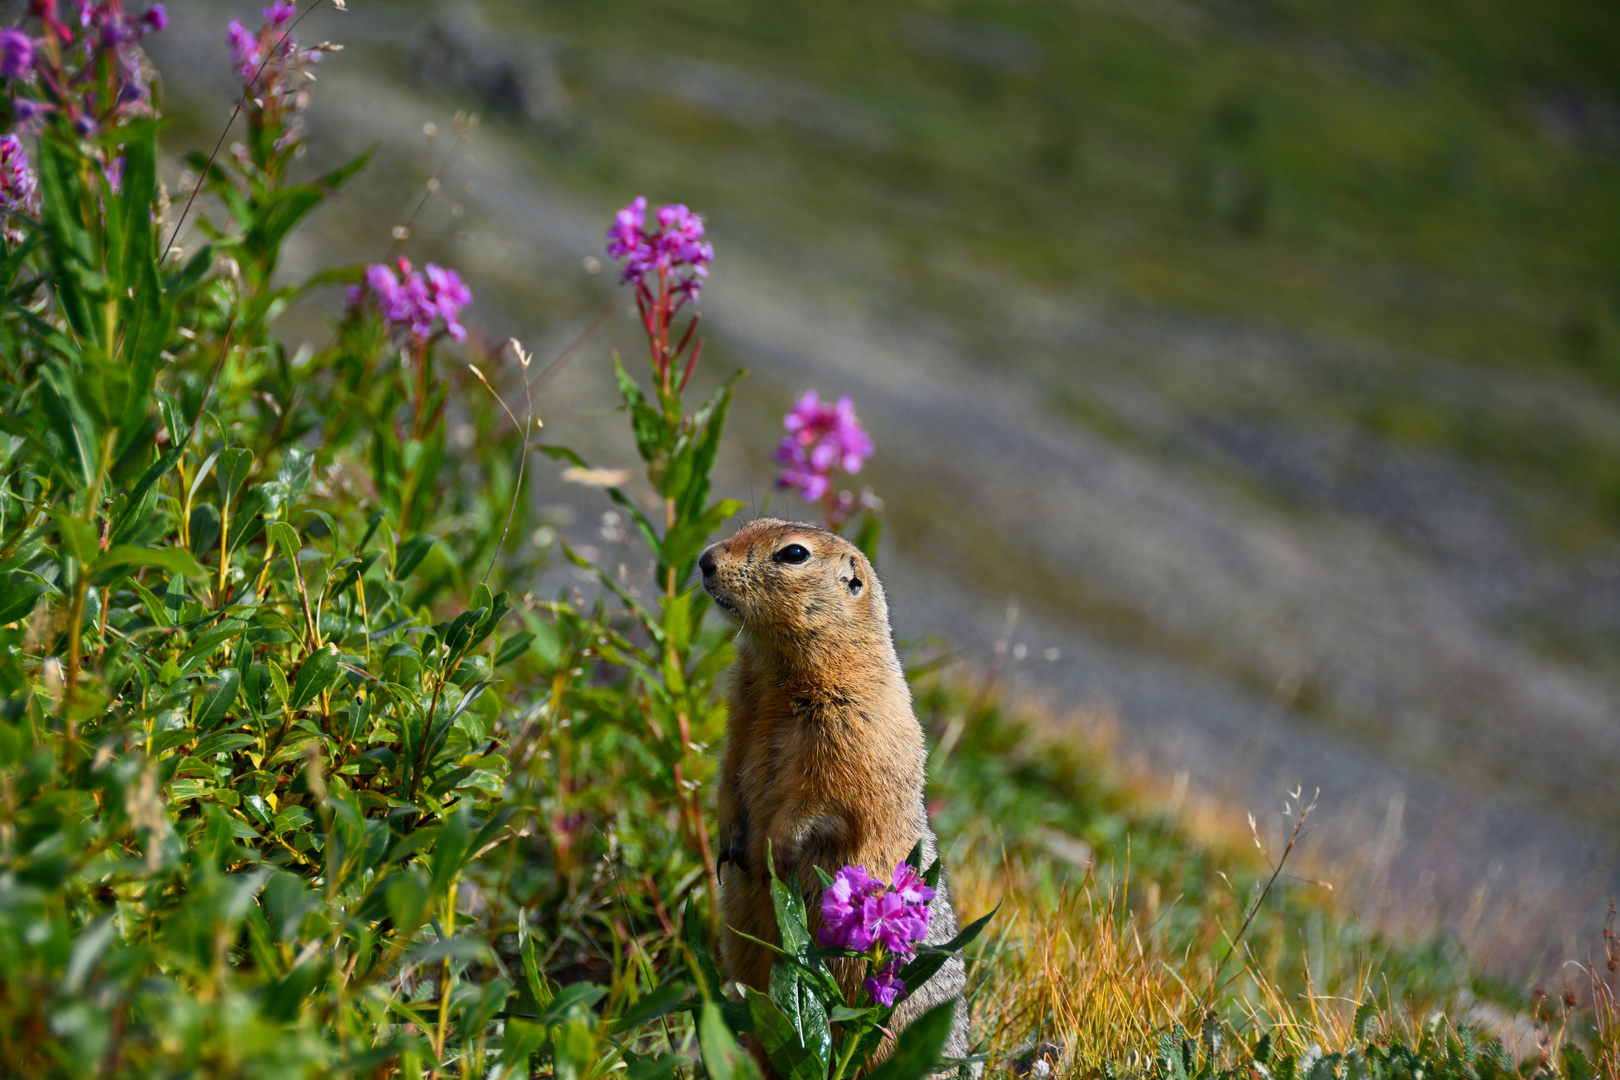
{"type": "Point", "coordinates": [706, 562]}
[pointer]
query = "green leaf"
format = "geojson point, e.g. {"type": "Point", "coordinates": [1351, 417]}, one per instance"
{"type": "Point", "coordinates": [682, 544]}
{"type": "Point", "coordinates": [223, 742]}
{"type": "Point", "coordinates": [791, 918]}
{"type": "Point", "coordinates": [539, 989]}
{"type": "Point", "coordinates": [723, 1059]}
{"type": "Point", "coordinates": [1366, 1013]}
{"type": "Point", "coordinates": [294, 471]}
{"type": "Point", "coordinates": [710, 421]}
{"type": "Point", "coordinates": [319, 671]}
{"type": "Point", "coordinates": [346, 572]}
{"type": "Point", "coordinates": [462, 950]}
{"type": "Point", "coordinates": [841, 1013]}
{"type": "Point", "coordinates": [459, 633]}
{"type": "Point", "coordinates": [573, 1051]}
{"type": "Point", "coordinates": [218, 695]}
{"type": "Point", "coordinates": [174, 560]}
{"type": "Point", "coordinates": [19, 593]}
{"type": "Point", "coordinates": [781, 1041]}
{"type": "Point", "coordinates": [290, 205]}
{"type": "Point", "coordinates": [649, 427]}
{"type": "Point", "coordinates": [205, 528]}
{"type": "Point", "coordinates": [813, 969]}
{"type": "Point", "coordinates": [411, 553]}
{"type": "Point", "coordinates": [450, 848]}
{"type": "Point", "coordinates": [645, 527]}
{"type": "Point", "coordinates": [143, 496]}
{"type": "Point", "coordinates": [145, 310]}
{"type": "Point", "coordinates": [522, 1039]}
{"type": "Point", "coordinates": [262, 501]}
{"type": "Point", "coordinates": [648, 533]}
{"type": "Point", "coordinates": [573, 1001]}
{"type": "Point", "coordinates": [230, 472]}
{"type": "Point", "coordinates": [661, 1067]}
{"type": "Point", "coordinates": [653, 1005]}
{"type": "Point", "coordinates": [278, 679]}
{"type": "Point", "coordinates": [707, 974]}
{"type": "Point", "coordinates": [92, 942]}
{"type": "Point", "coordinates": [285, 537]}
{"type": "Point", "coordinates": [68, 242]}
{"type": "Point", "coordinates": [918, 1051]}
{"type": "Point", "coordinates": [513, 647]}
{"type": "Point", "coordinates": [407, 899]}
{"type": "Point", "coordinates": [931, 875]}
{"type": "Point", "coordinates": [69, 421]}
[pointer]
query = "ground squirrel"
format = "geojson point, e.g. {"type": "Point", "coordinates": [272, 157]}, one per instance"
{"type": "Point", "coordinates": [824, 758]}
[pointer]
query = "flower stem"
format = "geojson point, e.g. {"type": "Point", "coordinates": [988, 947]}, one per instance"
{"type": "Point", "coordinates": [851, 1041]}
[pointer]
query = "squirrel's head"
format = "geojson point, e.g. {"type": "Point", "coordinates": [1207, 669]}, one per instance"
{"type": "Point", "coordinates": [794, 586]}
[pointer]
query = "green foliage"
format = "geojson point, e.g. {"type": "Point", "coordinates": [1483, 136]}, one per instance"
{"type": "Point", "coordinates": [269, 803]}
{"type": "Point", "coordinates": [1437, 1053]}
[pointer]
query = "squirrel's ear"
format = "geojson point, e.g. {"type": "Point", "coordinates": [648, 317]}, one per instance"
{"type": "Point", "coordinates": [853, 578]}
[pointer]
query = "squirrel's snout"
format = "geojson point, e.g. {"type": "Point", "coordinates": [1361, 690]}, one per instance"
{"type": "Point", "coordinates": [706, 563]}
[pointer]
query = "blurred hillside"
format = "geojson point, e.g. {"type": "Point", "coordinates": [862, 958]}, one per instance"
{"type": "Point", "coordinates": [1266, 354]}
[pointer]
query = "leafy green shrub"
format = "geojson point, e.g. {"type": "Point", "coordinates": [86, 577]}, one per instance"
{"type": "Point", "coordinates": [285, 787]}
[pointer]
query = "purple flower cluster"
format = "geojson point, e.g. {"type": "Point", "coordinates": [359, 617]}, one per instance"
{"type": "Point", "coordinates": [273, 69]}
{"type": "Point", "coordinates": [821, 437]}
{"type": "Point", "coordinates": [859, 912]}
{"type": "Point", "coordinates": [19, 190]}
{"type": "Point", "coordinates": [675, 250]}
{"type": "Point", "coordinates": [63, 66]}
{"type": "Point", "coordinates": [16, 54]}
{"type": "Point", "coordinates": [410, 301]}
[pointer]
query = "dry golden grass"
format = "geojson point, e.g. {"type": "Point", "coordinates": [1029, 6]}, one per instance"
{"type": "Point", "coordinates": [1100, 952]}
{"type": "Point", "coordinates": [1073, 966]}
{"type": "Point", "coordinates": [1067, 967]}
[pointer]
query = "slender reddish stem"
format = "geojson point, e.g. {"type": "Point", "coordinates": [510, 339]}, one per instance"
{"type": "Point", "coordinates": [691, 363]}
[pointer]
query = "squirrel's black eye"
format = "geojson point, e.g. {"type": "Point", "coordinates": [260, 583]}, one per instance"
{"type": "Point", "coordinates": [793, 553]}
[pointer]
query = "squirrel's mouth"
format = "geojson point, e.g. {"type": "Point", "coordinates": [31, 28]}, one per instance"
{"type": "Point", "coordinates": [721, 601]}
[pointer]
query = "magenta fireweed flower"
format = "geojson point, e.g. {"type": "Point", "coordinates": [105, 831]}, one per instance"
{"type": "Point", "coordinates": [676, 254]}
{"type": "Point", "coordinates": [273, 69]}
{"type": "Point", "coordinates": [245, 55]}
{"type": "Point", "coordinates": [280, 13]}
{"type": "Point", "coordinates": [409, 303]}
{"type": "Point", "coordinates": [860, 913]}
{"type": "Point", "coordinates": [909, 886]}
{"type": "Point", "coordinates": [625, 235]}
{"type": "Point", "coordinates": [19, 189]}
{"type": "Point", "coordinates": [450, 295]}
{"type": "Point", "coordinates": [666, 266]}
{"type": "Point", "coordinates": [16, 55]}
{"type": "Point", "coordinates": [821, 437]}
{"type": "Point", "coordinates": [886, 987]}
{"type": "Point", "coordinates": [842, 925]}
{"type": "Point", "coordinates": [65, 65]}
{"type": "Point", "coordinates": [892, 922]}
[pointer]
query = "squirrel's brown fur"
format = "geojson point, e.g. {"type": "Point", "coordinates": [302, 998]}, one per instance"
{"type": "Point", "coordinates": [824, 759]}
